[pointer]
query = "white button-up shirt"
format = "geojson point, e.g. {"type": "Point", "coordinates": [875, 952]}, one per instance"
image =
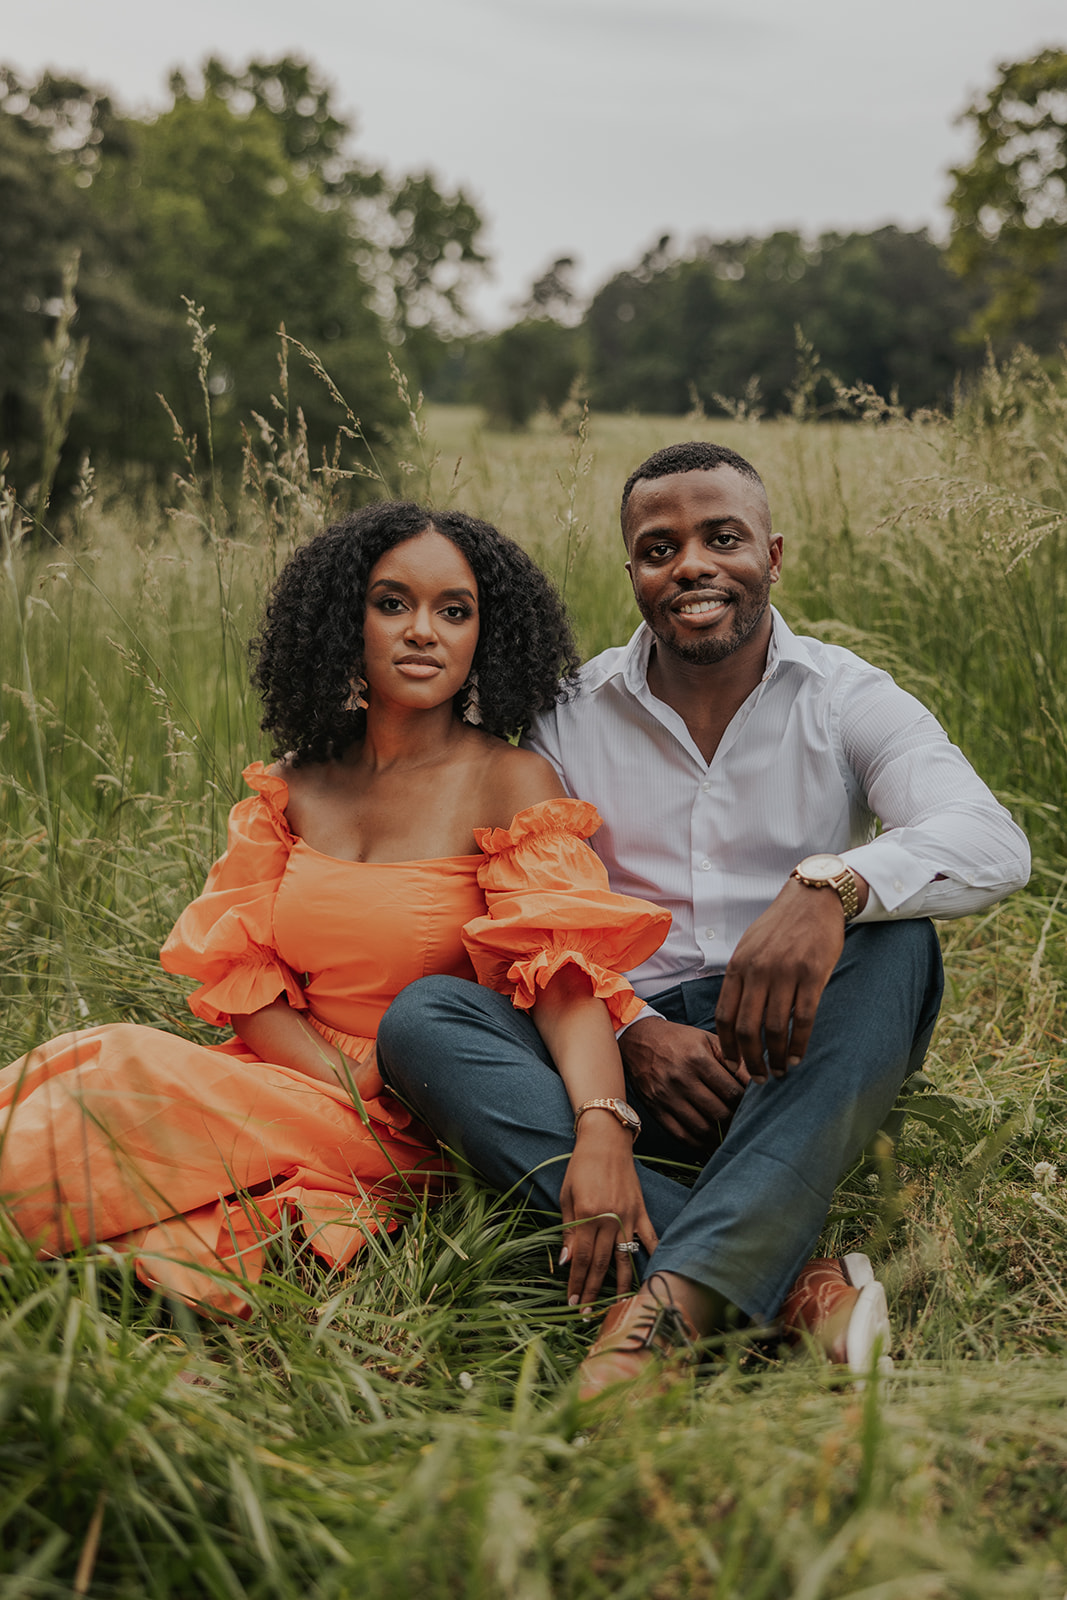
{"type": "Point", "coordinates": [824, 749]}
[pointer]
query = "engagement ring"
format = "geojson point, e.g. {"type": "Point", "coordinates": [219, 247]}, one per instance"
{"type": "Point", "coordinates": [629, 1247]}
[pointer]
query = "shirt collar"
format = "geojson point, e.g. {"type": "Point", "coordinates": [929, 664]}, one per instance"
{"type": "Point", "coordinates": [789, 647]}
{"type": "Point", "coordinates": [630, 662]}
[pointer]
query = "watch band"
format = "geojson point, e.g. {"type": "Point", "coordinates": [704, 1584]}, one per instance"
{"type": "Point", "coordinates": [619, 1109]}
{"type": "Point", "coordinates": [830, 872]}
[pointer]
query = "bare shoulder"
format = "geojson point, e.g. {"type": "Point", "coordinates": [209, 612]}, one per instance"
{"type": "Point", "coordinates": [314, 777]}
{"type": "Point", "coordinates": [517, 779]}
{"type": "Point", "coordinates": [311, 788]}
{"type": "Point", "coordinates": [296, 778]}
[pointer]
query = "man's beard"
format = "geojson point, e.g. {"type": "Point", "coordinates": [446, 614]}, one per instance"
{"type": "Point", "coordinates": [746, 614]}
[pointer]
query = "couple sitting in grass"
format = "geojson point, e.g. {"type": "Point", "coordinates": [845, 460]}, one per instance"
{"type": "Point", "coordinates": [417, 950]}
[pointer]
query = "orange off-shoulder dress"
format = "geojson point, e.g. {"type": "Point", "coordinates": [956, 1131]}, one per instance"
{"type": "Point", "coordinates": [128, 1135]}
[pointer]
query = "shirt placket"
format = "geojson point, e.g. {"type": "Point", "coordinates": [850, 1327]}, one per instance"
{"type": "Point", "coordinates": [708, 878]}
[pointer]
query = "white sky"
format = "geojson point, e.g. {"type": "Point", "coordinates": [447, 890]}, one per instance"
{"type": "Point", "coordinates": [590, 127]}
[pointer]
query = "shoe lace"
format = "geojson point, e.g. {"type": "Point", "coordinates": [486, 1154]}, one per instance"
{"type": "Point", "coordinates": [662, 1327]}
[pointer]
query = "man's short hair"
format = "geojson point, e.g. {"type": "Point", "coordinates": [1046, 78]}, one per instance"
{"type": "Point", "coordinates": [696, 455]}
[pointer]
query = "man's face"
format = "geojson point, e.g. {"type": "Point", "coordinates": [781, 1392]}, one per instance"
{"type": "Point", "coordinates": [702, 561]}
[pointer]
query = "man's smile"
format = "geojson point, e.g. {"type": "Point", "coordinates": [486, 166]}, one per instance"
{"type": "Point", "coordinates": [702, 607]}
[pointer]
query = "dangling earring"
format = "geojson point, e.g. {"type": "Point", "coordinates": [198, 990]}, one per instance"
{"type": "Point", "coordinates": [357, 698]}
{"type": "Point", "coordinates": [472, 705]}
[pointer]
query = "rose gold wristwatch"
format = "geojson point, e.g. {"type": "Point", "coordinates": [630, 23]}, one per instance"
{"type": "Point", "coordinates": [618, 1108]}
{"type": "Point", "coordinates": [830, 872]}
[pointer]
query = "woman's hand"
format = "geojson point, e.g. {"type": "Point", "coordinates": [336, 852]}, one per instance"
{"type": "Point", "coordinates": [602, 1207]}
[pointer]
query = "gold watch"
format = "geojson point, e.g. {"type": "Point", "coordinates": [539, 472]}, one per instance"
{"type": "Point", "coordinates": [830, 872]}
{"type": "Point", "coordinates": [618, 1108]}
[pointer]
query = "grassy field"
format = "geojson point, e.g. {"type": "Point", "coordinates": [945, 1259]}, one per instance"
{"type": "Point", "coordinates": [410, 1427]}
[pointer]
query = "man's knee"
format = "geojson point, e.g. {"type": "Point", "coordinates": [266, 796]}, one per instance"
{"type": "Point", "coordinates": [891, 974]}
{"type": "Point", "coordinates": [439, 1027]}
{"type": "Point", "coordinates": [909, 948]}
{"type": "Point", "coordinates": [425, 1002]}
{"type": "Point", "coordinates": [415, 1018]}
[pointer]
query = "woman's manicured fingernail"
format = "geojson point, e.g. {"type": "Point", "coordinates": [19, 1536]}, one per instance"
{"type": "Point", "coordinates": [587, 1311]}
{"type": "Point", "coordinates": [573, 1301]}
{"type": "Point", "coordinates": [794, 1061]}
{"type": "Point", "coordinates": [564, 1256]}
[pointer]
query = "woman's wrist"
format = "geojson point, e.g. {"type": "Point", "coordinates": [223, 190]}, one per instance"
{"type": "Point", "coordinates": [598, 1126]}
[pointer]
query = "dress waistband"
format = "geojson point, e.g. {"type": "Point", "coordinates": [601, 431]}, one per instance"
{"type": "Point", "coordinates": [379, 1103]}
{"type": "Point", "coordinates": [353, 1044]}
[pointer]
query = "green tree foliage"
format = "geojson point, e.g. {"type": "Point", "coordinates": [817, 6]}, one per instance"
{"type": "Point", "coordinates": [1009, 202]}
{"type": "Point", "coordinates": [880, 307]}
{"type": "Point", "coordinates": [314, 138]}
{"type": "Point", "coordinates": [720, 323]}
{"type": "Point", "coordinates": [524, 368]}
{"type": "Point", "coordinates": [244, 197]}
{"type": "Point", "coordinates": [223, 216]}
{"type": "Point", "coordinates": [55, 137]}
{"type": "Point", "coordinates": [432, 255]}
{"type": "Point", "coordinates": [533, 364]}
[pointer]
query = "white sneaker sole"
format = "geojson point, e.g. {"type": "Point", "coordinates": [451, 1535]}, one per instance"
{"type": "Point", "coordinates": [869, 1324]}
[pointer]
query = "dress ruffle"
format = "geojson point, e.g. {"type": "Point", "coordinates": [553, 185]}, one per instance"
{"type": "Point", "coordinates": [274, 792]}
{"type": "Point", "coordinates": [549, 906]}
{"type": "Point", "coordinates": [225, 938]}
{"type": "Point", "coordinates": [575, 817]}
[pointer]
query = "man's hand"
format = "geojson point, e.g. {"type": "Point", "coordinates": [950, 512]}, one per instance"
{"type": "Point", "coordinates": [776, 977]}
{"type": "Point", "coordinates": [681, 1075]}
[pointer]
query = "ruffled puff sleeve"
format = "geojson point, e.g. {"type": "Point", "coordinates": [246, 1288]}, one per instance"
{"type": "Point", "coordinates": [225, 938]}
{"type": "Point", "coordinates": [548, 906]}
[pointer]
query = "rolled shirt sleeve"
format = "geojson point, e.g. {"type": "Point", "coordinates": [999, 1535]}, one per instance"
{"type": "Point", "coordinates": [947, 846]}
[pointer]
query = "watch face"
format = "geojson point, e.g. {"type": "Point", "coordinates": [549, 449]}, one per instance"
{"type": "Point", "coordinates": [821, 866]}
{"type": "Point", "coordinates": [626, 1113]}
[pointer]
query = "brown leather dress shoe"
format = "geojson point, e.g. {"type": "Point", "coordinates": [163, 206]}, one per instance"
{"type": "Point", "coordinates": [842, 1306]}
{"type": "Point", "coordinates": [636, 1330]}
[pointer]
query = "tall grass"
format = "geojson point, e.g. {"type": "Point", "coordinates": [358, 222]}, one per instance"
{"type": "Point", "coordinates": [409, 1427]}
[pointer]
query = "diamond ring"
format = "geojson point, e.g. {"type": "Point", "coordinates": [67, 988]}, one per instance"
{"type": "Point", "coordinates": [628, 1248]}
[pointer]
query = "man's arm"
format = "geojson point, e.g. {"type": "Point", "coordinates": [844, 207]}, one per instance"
{"type": "Point", "coordinates": [776, 977]}
{"type": "Point", "coordinates": [947, 848]}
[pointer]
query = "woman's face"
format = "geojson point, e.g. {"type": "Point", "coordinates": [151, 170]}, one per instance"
{"type": "Point", "coordinates": [420, 628]}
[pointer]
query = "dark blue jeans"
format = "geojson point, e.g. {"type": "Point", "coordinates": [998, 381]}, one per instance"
{"type": "Point", "coordinates": [475, 1070]}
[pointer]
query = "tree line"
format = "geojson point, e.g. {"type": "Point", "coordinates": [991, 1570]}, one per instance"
{"type": "Point", "coordinates": [738, 323]}
{"type": "Point", "coordinates": [717, 326]}
{"type": "Point", "coordinates": [243, 196]}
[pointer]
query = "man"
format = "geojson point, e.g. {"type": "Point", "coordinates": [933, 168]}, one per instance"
{"type": "Point", "coordinates": [740, 772]}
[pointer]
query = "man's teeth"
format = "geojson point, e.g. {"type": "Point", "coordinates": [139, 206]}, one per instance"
{"type": "Point", "coordinates": [697, 608]}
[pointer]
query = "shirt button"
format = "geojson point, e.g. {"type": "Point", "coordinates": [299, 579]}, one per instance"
{"type": "Point", "coordinates": [705, 866]}
{"type": "Point", "coordinates": [706, 788]}
{"type": "Point", "coordinates": [709, 933]}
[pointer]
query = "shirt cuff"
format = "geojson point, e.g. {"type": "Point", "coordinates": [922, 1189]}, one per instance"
{"type": "Point", "coordinates": [893, 874]}
{"type": "Point", "coordinates": [645, 1011]}
{"type": "Point", "coordinates": [873, 911]}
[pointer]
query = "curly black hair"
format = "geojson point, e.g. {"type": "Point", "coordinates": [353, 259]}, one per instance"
{"type": "Point", "coordinates": [311, 641]}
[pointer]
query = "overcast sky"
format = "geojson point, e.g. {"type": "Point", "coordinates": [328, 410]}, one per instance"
{"type": "Point", "coordinates": [590, 127]}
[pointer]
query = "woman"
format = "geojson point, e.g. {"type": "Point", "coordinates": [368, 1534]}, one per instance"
{"type": "Point", "coordinates": [397, 834]}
